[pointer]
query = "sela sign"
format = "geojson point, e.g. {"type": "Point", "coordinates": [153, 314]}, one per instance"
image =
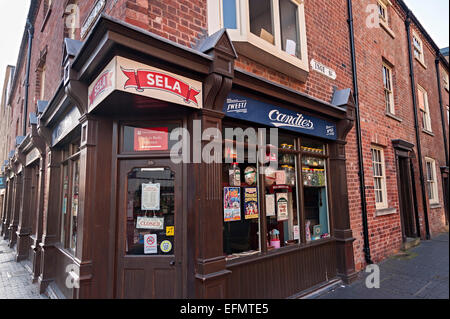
{"type": "Point", "coordinates": [243, 108]}
{"type": "Point", "coordinates": [130, 76]}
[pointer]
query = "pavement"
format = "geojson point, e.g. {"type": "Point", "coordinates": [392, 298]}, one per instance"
{"type": "Point", "coordinates": [15, 279]}
{"type": "Point", "coordinates": [421, 272]}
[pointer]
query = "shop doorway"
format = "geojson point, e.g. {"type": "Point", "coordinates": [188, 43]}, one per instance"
{"type": "Point", "coordinates": [149, 247]}
{"type": "Point", "coordinates": [406, 198]}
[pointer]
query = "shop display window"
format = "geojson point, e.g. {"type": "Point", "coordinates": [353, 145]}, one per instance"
{"type": "Point", "coordinates": [150, 212]}
{"type": "Point", "coordinates": [288, 200]}
{"type": "Point", "coordinates": [70, 181]}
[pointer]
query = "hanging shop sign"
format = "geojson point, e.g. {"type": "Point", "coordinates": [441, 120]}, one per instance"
{"type": "Point", "coordinates": [2, 182]}
{"type": "Point", "coordinates": [133, 77]}
{"type": "Point", "coordinates": [244, 108]}
{"type": "Point", "coordinates": [143, 222]}
{"type": "Point", "coordinates": [151, 139]}
{"type": "Point", "coordinates": [67, 124]}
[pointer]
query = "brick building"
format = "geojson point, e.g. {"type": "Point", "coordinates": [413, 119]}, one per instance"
{"type": "Point", "coordinates": [104, 75]}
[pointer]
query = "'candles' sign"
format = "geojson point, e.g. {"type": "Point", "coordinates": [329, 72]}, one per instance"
{"type": "Point", "coordinates": [130, 76]}
{"type": "Point", "coordinates": [244, 108]}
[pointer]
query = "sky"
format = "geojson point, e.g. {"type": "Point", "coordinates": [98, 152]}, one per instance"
{"type": "Point", "coordinates": [433, 15]}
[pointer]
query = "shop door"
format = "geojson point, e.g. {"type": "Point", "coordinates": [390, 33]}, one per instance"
{"type": "Point", "coordinates": [149, 256]}
{"type": "Point", "coordinates": [406, 199]}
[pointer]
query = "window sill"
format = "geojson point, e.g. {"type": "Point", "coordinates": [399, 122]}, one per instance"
{"type": "Point", "coordinates": [427, 132]}
{"type": "Point", "coordinates": [435, 205]}
{"type": "Point", "coordinates": [421, 63]}
{"type": "Point", "coordinates": [276, 252]}
{"type": "Point", "coordinates": [385, 211]}
{"type": "Point", "coordinates": [392, 116]}
{"type": "Point", "coordinates": [387, 29]}
{"type": "Point", "coordinates": [256, 49]}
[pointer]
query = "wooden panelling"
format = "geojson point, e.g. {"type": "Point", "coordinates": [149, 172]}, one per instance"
{"type": "Point", "coordinates": [283, 275]}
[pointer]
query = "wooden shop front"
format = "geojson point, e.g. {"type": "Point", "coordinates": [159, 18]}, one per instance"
{"type": "Point", "coordinates": [138, 213]}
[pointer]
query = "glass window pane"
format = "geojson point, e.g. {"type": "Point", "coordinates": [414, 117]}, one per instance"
{"type": "Point", "coordinates": [65, 200]}
{"type": "Point", "coordinates": [310, 145]}
{"type": "Point", "coordinates": [75, 205]}
{"type": "Point", "coordinates": [147, 139]}
{"type": "Point", "coordinates": [229, 14]}
{"type": "Point", "coordinates": [261, 23]}
{"type": "Point", "coordinates": [290, 40]}
{"type": "Point", "coordinates": [150, 212]}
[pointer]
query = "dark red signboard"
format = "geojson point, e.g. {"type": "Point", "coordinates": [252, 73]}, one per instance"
{"type": "Point", "coordinates": [151, 139]}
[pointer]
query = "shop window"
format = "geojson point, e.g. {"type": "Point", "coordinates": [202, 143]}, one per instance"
{"type": "Point", "coordinates": [149, 138]}
{"type": "Point", "coordinates": [150, 211]}
{"type": "Point", "coordinates": [265, 30]}
{"type": "Point", "coordinates": [70, 169]}
{"type": "Point", "coordinates": [388, 89]}
{"type": "Point", "coordinates": [259, 197]}
{"type": "Point", "coordinates": [431, 181]}
{"type": "Point", "coordinates": [379, 177]}
{"type": "Point", "coordinates": [422, 97]}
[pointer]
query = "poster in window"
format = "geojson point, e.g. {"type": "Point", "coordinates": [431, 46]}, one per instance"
{"type": "Point", "coordinates": [282, 206]}
{"type": "Point", "coordinates": [151, 139]}
{"type": "Point", "coordinates": [270, 205]}
{"type": "Point", "coordinates": [231, 204]}
{"type": "Point", "coordinates": [251, 202]}
{"type": "Point", "coordinates": [150, 244]}
{"type": "Point", "coordinates": [150, 198]}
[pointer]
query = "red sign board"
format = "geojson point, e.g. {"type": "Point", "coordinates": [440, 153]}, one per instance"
{"type": "Point", "coordinates": [151, 139]}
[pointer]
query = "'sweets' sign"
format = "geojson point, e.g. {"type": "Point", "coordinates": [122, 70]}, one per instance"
{"type": "Point", "coordinates": [133, 77]}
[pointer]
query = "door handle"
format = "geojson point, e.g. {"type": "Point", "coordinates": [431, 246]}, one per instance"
{"type": "Point", "coordinates": [172, 263]}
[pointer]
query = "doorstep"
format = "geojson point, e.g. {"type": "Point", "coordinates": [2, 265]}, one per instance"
{"type": "Point", "coordinates": [318, 290]}
{"type": "Point", "coordinates": [410, 243]}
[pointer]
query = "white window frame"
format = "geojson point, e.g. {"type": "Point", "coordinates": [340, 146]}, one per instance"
{"type": "Point", "coordinates": [390, 91]}
{"type": "Point", "coordinates": [267, 52]}
{"type": "Point", "coordinates": [384, 203]}
{"type": "Point", "coordinates": [426, 120]}
{"type": "Point", "coordinates": [384, 6]}
{"type": "Point", "coordinates": [420, 49]}
{"type": "Point", "coordinates": [445, 80]}
{"type": "Point", "coordinates": [432, 183]}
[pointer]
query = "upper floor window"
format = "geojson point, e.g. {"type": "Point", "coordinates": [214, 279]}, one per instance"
{"type": "Point", "coordinates": [431, 181]}
{"type": "Point", "coordinates": [271, 32]}
{"type": "Point", "coordinates": [382, 11]}
{"type": "Point", "coordinates": [388, 89]}
{"type": "Point", "coordinates": [379, 177]}
{"type": "Point", "coordinates": [445, 80]}
{"type": "Point", "coordinates": [418, 48]}
{"type": "Point", "coordinates": [422, 96]}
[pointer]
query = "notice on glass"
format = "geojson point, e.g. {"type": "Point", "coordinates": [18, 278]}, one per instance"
{"type": "Point", "coordinates": [231, 204]}
{"type": "Point", "coordinates": [150, 244]}
{"type": "Point", "coordinates": [251, 202]}
{"type": "Point", "coordinates": [150, 223]}
{"type": "Point", "coordinates": [270, 205]}
{"type": "Point", "coordinates": [150, 198]}
{"type": "Point", "coordinates": [151, 139]}
{"type": "Point", "coordinates": [282, 206]}
{"type": "Point", "coordinates": [296, 232]}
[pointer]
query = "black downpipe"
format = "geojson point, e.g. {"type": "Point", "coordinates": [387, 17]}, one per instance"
{"type": "Point", "coordinates": [358, 138]}
{"type": "Point", "coordinates": [444, 130]}
{"type": "Point", "coordinates": [416, 125]}
{"type": "Point", "coordinates": [27, 77]}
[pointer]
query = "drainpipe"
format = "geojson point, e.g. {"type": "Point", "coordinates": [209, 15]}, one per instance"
{"type": "Point", "coordinates": [444, 130]}
{"type": "Point", "coordinates": [362, 182]}
{"type": "Point", "coordinates": [416, 124]}
{"type": "Point", "coordinates": [27, 76]}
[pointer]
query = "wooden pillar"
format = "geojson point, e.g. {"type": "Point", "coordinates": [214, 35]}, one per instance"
{"type": "Point", "coordinates": [339, 200]}
{"type": "Point", "coordinates": [7, 208]}
{"type": "Point", "coordinates": [37, 232]}
{"type": "Point", "coordinates": [17, 198]}
{"type": "Point", "coordinates": [24, 224]}
{"type": "Point", "coordinates": [51, 218]}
